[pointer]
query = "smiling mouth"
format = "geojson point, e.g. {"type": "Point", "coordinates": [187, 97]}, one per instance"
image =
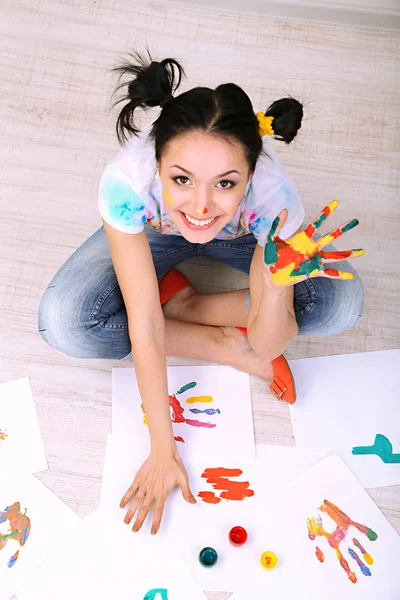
{"type": "Point", "coordinates": [198, 223]}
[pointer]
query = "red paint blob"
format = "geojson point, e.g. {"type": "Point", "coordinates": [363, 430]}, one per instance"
{"type": "Point", "coordinates": [238, 536]}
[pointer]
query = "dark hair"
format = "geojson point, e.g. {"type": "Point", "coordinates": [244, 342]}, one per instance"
{"type": "Point", "coordinates": [225, 111]}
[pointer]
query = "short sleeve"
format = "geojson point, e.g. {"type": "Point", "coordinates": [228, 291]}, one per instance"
{"type": "Point", "coordinates": [266, 199]}
{"type": "Point", "coordinates": [119, 205]}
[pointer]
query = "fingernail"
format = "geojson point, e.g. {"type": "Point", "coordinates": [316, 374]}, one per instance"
{"type": "Point", "coordinates": [193, 500]}
{"type": "Point", "coordinates": [135, 528]}
{"type": "Point", "coordinates": [154, 531]}
{"type": "Point", "coordinates": [126, 522]}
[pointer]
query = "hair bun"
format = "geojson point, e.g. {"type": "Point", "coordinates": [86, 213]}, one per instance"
{"type": "Point", "coordinates": [288, 114]}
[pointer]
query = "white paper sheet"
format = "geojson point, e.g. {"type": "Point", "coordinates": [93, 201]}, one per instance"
{"type": "Point", "coordinates": [299, 573]}
{"type": "Point", "coordinates": [43, 521]}
{"type": "Point", "coordinates": [192, 527]}
{"type": "Point", "coordinates": [21, 445]}
{"type": "Point", "coordinates": [344, 402]}
{"type": "Point", "coordinates": [229, 430]}
{"type": "Point", "coordinates": [99, 561]}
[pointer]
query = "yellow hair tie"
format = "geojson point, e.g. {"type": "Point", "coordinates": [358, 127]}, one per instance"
{"type": "Point", "coordinates": [265, 124]}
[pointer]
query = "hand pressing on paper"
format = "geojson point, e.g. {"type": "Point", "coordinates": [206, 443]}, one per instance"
{"type": "Point", "coordinates": [158, 475]}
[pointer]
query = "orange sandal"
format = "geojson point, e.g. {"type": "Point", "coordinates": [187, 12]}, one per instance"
{"type": "Point", "coordinates": [282, 385]}
{"type": "Point", "coordinates": [173, 282]}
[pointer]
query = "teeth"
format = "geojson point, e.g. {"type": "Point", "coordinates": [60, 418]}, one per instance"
{"type": "Point", "coordinates": [199, 223]}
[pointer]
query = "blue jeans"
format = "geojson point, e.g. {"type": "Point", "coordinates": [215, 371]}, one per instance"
{"type": "Point", "coordinates": [82, 312]}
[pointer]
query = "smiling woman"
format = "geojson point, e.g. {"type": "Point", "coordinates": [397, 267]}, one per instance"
{"type": "Point", "coordinates": [202, 179]}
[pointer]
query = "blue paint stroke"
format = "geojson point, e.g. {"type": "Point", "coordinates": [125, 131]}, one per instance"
{"type": "Point", "coordinates": [364, 569]}
{"type": "Point", "coordinates": [207, 411]}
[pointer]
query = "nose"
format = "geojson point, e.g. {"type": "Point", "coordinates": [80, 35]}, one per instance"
{"type": "Point", "coordinates": [202, 200]}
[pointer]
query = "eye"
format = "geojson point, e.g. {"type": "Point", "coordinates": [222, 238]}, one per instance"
{"type": "Point", "coordinates": [181, 177]}
{"type": "Point", "coordinates": [227, 181]}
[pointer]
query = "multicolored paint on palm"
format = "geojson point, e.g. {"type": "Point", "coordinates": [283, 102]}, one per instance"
{"type": "Point", "coordinates": [230, 490]}
{"type": "Point", "coordinates": [338, 537]}
{"type": "Point", "coordinates": [300, 257]}
{"type": "Point", "coordinates": [177, 410]}
{"type": "Point", "coordinates": [19, 527]}
{"type": "Point", "coordinates": [382, 447]}
{"type": "Point", "coordinates": [153, 594]}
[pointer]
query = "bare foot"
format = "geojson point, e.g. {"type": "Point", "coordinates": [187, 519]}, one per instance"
{"type": "Point", "coordinates": [243, 356]}
{"type": "Point", "coordinates": [235, 348]}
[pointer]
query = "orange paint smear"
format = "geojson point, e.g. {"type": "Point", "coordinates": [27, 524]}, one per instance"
{"type": "Point", "coordinates": [209, 497]}
{"type": "Point", "coordinates": [231, 490]}
{"type": "Point", "coordinates": [319, 554]}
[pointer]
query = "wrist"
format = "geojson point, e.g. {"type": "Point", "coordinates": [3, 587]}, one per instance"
{"type": "Point", "coordinates": [271, 288]}
{"type": "Point", "coordinates": [163, 446]}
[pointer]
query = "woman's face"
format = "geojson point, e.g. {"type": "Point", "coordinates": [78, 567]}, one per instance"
{"type": "Point", "coordinates": [204, 178]}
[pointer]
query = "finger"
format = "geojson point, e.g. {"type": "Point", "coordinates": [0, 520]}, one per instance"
{"type": "Point", "coordinates": [333, 274]}
{"type": "Point", "coordinates": [136, 502]}
{"type": "Point", "coordinates": [158, 513]}
{"type": "Point", "coordinates": [129, 493]}
{"type": "Point", "coordinates": [340, 255]}
{"type": "Point", "coordinates": [329, 237]}
{"type": "Point", "coordinates": [283, 215]}
{"type": "Point", "coordinates": [323, 215]}
{"type": "Point", "coordinates": [186, 493]}
{"type": "Point", "coordinates": [143, 512]}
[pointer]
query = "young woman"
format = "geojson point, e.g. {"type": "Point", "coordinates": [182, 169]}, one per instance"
{"type": "Point", "coordinates": [199, 181]}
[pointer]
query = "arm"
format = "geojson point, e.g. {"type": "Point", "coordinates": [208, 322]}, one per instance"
{"type": "Point", "coordinates": [272, 324]}
{"type": "Point", "coordinates": [133, 263]}
{"type": "Point", "coordinates": [163, 469]}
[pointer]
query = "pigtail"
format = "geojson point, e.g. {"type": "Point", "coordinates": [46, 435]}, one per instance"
{"type": "Point", "coordinates": [150, 84]}
{"type": "Point", "coordinates": [287, 114]}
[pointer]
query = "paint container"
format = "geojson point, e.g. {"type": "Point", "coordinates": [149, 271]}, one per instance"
{"type": "Point", "coordinates": [268, 560]}
{"type": "Point", "coordinates": [208, 557]}
{"type": "Point", "coordinates": [238, 536]}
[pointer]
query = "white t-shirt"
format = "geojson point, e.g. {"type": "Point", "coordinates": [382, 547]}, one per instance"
{"type": "Point", "coordinates": [130, 195]}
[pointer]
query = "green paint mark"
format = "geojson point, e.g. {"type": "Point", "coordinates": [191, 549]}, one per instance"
{"type": "Point", "coordinates": [270, 253]}
{"type": "Point", "coordinates": [382, 447]}
{"type": "Point", "coordinates": [350, 225]}
{"type": "Point", "coordinates": [319, 221]}
{"type": "Point", "coordinates": [155, 592]}
{"type": "Point", "coordinates": [371, 535]}
{"type": "Point", "coordinates": [307, 267]}
{"type": "Point", "coordinates": [187, 387]}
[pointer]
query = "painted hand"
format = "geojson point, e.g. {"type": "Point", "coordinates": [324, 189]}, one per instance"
{"type": "Point", "coordinates": [300, 257]}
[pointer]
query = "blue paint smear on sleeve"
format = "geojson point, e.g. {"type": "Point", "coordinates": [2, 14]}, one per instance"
{"type": "Point", "coordinates": [123, 205]}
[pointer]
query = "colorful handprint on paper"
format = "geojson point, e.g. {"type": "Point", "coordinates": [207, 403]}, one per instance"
{"type": "Point", "coordinates": [300, 257]}
{"type": "Point", "coordinates": [230, 490]}
{"type": "Point", "coordinates": [338, 537]}
{"type": "Point", "coordinates": [19, 528]}
{"type": "Point", "coordinates": [177, 410]}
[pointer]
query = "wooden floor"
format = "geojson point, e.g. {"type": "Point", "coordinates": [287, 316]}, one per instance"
{"type": "Point", "coordinates": [57, 133]}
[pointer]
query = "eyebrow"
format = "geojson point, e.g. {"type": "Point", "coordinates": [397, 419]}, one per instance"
{"type": "Point", "coordinates": [222, 174]}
